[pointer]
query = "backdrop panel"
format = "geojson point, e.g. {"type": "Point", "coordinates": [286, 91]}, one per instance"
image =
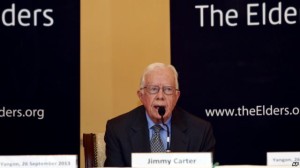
{"type": "Point", "coordinates": [39, 70]}
{"type": "Point", "coordinates": [238, 64]}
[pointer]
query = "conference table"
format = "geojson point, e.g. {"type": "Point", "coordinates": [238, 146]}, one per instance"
{"type": "Point", "coordinates": [224, 166]}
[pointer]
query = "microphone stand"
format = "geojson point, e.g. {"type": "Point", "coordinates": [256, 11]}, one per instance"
{"type": "Point", "coordinates": [162, 111]}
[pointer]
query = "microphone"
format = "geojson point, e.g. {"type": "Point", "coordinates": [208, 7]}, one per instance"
{"type": "Point", "coordinates": [161, 112]}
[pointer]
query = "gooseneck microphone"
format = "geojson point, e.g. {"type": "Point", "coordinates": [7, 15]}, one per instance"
{"type": "Point", "coordinates": [161, 112]}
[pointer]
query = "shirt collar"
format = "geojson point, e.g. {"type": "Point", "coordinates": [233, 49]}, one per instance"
{"type": "Point", "coordinates": [151, 123]}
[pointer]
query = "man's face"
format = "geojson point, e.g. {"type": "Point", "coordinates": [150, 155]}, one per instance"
{"type": "Point", "coordinates": [161, 77]}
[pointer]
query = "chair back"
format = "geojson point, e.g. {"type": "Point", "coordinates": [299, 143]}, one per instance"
{"type": "Point", "coordinates": [94, 149]}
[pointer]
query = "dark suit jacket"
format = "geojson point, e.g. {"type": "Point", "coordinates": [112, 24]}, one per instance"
{"type": "Point", "coordinates": [129, 133]}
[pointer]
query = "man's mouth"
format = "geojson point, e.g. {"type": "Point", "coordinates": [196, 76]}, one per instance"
{"type": "Point", "coordinates": [157, 107]}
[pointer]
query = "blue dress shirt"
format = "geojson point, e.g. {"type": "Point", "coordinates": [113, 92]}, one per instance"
{"type": "Point", "coordinates": [163, 132]}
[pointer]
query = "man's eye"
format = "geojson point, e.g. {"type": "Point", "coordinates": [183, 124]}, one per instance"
{"type": "Point", "coordinates": [168, 89]}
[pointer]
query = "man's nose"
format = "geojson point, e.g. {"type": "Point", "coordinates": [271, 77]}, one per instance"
{"type": "Point", "coordinates": [160, 95]}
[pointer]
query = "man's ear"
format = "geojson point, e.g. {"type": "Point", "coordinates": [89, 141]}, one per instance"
{"type": "Point", "coordinates": [178, 95]}
{"type": "Point", "coordinates": [139, 94]}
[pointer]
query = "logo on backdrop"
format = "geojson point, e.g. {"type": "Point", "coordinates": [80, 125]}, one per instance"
{"type": "Point", "coordinates": [17, 16]}
{"type": "Point", "coordinates": [258, 14]}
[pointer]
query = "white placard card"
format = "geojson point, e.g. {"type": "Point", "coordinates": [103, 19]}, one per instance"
{"type": "Point", "coordinates": [283, 158]}
{"type": "Point", "coordinates": [39, 161]}
{"type": "Point", "coordinates": [186, 160]}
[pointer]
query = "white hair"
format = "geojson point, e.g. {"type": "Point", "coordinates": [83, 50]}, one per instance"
{"type": "Point", "coordinates": [158, 65]}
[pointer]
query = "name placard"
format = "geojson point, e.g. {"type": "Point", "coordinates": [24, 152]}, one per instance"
{"type": "Point", "coordinates": [176, 159]}
{"type": "Point", "coordinates": [283, 158]}
{"type": "Point", "coordinates": [40, 161]}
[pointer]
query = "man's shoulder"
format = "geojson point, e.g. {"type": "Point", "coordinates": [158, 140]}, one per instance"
{"type": "Point", "coordinates": [191, 119]}
{"type": "Point", "coordinates": [128, 117]}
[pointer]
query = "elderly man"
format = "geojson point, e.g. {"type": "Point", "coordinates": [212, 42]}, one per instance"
{"type": "Point", "coordinates": [142, 130]}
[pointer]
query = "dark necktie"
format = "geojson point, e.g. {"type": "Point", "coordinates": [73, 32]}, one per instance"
{"type": "Point", "coordinates": [156, 142]}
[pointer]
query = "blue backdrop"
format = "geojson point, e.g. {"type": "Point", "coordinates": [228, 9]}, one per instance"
{"type": "Point", "coordinates": [39, 71]}
{"type": "Point", "coordinates": [238, 64]}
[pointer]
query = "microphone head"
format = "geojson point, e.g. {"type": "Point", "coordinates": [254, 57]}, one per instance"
{"type": "Point", "coordinates": [161, 111]}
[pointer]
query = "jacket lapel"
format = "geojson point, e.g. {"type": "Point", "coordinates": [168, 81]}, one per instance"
{"type": "Point", "coordinates": [179, 139]}
{"type": "Point", "coordinates": [139, 135]}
